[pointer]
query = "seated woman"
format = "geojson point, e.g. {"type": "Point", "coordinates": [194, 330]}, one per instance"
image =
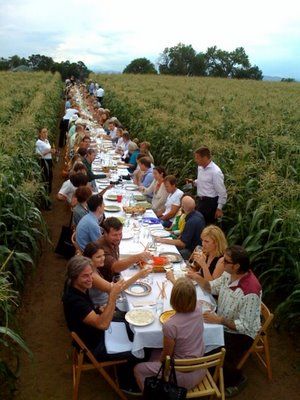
{"type": "Point", "coordinates": [172, 204]}
{"type": "Point", "coordinates": [210, 260]}
{"type": "Point", "coordinates": [99, 293]}
{"type": "Point", "coordinates": [145, 149]}
{"type": "Point", "coordinates": [82, 194]}
{"type": "Point", "coordinates": [183, 336]}
{"type": "Point", "coordinates": [157, 189]}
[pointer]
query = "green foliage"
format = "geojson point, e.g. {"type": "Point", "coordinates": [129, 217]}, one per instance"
{"type": "Point", "coordinates": [140, 66]}
{"type": "Point", "coordinates": [30, 101]}
{"type": "Point", "coordinates": [253, 129]}
{"type": "Point", "coordinates": [183, 60]}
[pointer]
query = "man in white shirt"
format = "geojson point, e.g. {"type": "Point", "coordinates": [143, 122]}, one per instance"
{"type": "Point", "coordinates": [100, 94]}
{"type": "Point", "coordinates": [211, 191]}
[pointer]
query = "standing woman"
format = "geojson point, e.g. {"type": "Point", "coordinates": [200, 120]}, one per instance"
{"type": "Point", "coordinates": [43, 149]}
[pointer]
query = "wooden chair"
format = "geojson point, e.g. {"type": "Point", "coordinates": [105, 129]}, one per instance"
{"type": "Point", "coordinates": [210, 385]}
{"type": "Point", "coordinates": [78, 251]}
{"type": "Point", "coordinates": [260, 346]}
{"type": "Point", "coordinates": [79, 365]}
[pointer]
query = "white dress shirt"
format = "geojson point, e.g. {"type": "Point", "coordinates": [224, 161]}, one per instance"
{"type": "Point", "coordinates": [210, 183]}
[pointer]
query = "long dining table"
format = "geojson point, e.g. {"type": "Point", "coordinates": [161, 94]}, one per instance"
{"type": "Point", "coordinates": [137, 236]}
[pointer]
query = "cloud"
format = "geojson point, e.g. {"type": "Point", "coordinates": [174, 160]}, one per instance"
{"type": "Point", "coordinates": [108, 34]}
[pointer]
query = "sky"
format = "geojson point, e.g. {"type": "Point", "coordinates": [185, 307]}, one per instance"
{"type": "Point", "coordinates": [108, 34]}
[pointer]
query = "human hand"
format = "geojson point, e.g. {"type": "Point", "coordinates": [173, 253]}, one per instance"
{"type": "Point", "coordinates": [191, 274]}
{"type": "Point", "coordinates": [212, 318]}
{"type": "Point", "coordinates": [218, 213]}
{"type": "Point", "coordinates": [145, 256]}
{"type": "Point", "coordinates": [199, 258]}
{"type": "Point", "coordinates": [145, 271]}
{"type": "Point", "coordinates": [117, 288]}
{"type": "Point", "coordinates": [170, 276]}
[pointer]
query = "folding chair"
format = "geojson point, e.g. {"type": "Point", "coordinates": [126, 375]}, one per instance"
{"type": "Point", "coordinates": [260, 346]}
{"type": "Point", "coordinates": [78, 251]}
{"type": "Point", "coordinates": [210, 385]}
{"type": "Point", "coordinates": [80, 365]}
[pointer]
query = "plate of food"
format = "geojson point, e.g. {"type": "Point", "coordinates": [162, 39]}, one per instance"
{"type": "Point", "coordinates": [160, 233]}
{"type": "Point", "coordinates": [140, 317]}
{"type": "Point", "coordinates": [139, 197]}
{"type": "Point", "coordinates": [145, 204]}
{"type": "Point", "coordinates": [111, 197]}
{"type": "Point", "coordinates": [138, 289]}
{"type": "Point", "coordinates": [206, 306]}
{"type": "Point", "coordinates": [112, 208]}
{"type": "Point", "coordinates": [131, 187]}
{"type": "Point", "coordinates": [134, 209]}
{"type": "Point", "coordinates": [172, 257]}
{"type": "Point", "coordinates": [166, 315]}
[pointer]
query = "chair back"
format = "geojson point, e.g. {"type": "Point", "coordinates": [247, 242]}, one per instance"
{"type": "Point", "coordinates": [267, 318]}
{"type": "Point", "coordinates": [83, 347]}
{"type": "Point", "coordinates": [78, 251]}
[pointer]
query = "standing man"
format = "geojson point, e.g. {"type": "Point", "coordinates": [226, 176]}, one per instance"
{"type": "Point", "coordinates": [211, 191]}
{"type": "Point", "coordinates": [100, 94]}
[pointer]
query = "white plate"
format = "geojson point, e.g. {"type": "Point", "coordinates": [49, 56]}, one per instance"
{"type": "Point", "coordinates": [127, 235]}
{"type": "Point", "coordinates": [160, 233]}
{"type": "Point", "coordinates": [131, 187]}
{"type": "Point", "coordinates": [140, 317]}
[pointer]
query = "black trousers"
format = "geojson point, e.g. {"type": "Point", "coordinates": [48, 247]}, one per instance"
{"type": "Point", "coordinates": [47, 174]}
{"type": "Point", "coordinates": [207, 206]}
{"type": "Point", "coordinates": [63, 127]}
{"type": "Point", "coordinates": [236, 345]}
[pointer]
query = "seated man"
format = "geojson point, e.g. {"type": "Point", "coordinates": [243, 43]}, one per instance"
{"type": "Point", "coordinates": [239, 300]}
{"type": "Point", "coordinates": [190, 236]}
{"type": "Point", "coordinates": [112, 131]}
{"type": "Point", "coordinates": [88, 229]}
{"type": "Point", "coordinates": [67, 190]}
{"type": "Point", "coordinates": [110, 242]}
{"type": "Point", "coordinates": [172, 203]}
{"type": "Point", "coordinates": [88, 161]}
{"type": "Point", "coordinates": [147, 171]}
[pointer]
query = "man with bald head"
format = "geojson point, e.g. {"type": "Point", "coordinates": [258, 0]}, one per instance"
{"type": "Point", "coordinates": [194, 224]}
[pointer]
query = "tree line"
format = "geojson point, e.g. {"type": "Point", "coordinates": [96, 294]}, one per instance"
{"type": "Point", "coordinates": [184, 60]}
{"type": "Point", "coordinates": [38, 62]}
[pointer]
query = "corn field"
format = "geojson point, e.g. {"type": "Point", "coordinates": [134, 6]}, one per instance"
{"type": "Point", "coordinates": [253, 130]}
{"type": "Point", "coordinates": [28, 102]}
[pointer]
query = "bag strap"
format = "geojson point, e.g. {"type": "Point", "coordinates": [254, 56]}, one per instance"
{"type": "Point", "coordinates": [162, 370]}
{"type": "Point", "coordinates": [172, 377]}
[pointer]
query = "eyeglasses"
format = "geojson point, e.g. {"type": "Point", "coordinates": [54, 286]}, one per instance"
{"type": "Point", "coordinates": [227, 262]}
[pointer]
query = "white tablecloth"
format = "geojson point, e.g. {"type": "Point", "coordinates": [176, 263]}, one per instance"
{"type": "Point", "coordinates": [151, 336]}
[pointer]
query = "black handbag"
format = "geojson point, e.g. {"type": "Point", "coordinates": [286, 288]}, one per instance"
{"type": "Point", "coordinates": [157, 388]}
{"type": "Point", "coordinates": [64, 245]}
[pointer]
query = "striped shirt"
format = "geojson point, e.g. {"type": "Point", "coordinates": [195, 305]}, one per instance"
{"type": "Point", "coordinates": [239, 301]}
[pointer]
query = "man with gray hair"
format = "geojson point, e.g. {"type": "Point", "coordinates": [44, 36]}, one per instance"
{"type": "Point", "coordinates": [88, 161]}
{"type": "Point", "coordinates": [194, 224]}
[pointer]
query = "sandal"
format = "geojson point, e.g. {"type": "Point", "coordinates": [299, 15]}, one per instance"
{"type": "Point", "coordinates": [232, 391]}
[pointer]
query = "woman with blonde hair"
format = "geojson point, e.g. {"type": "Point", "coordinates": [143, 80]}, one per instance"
{"type": "Point", "coordinates": [183, 336]}
{"type": "Point", "coordinates": [210, 260]}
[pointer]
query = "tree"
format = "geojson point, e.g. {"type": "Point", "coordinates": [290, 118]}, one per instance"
{"type": "Point", "coordinates": [199, 65]}
{"type": "Point", "coordinates": [223, 63]}
{"type": "Point", "coordinates": [40, 62]}
{"type": "Point", "coordinates": [177, 60]}
{"type": "Point", "coordinates": [288, 80]}
{"type": "Point", "coordinates": [140, 66]}
{"type": "Point", "coordinates": [248, 73]}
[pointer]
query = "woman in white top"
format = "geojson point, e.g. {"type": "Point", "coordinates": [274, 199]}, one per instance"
{"type": "Point", "coordinates": [172, 204]}
{"type": "Point", "coordinates": [43, 149]}
{"type": "Point", "coordinates": [157, 189]}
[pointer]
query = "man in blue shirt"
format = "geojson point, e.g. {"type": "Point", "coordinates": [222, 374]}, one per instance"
{"type": "Point", "coordinates": [88, 229]}
{"type": "Point", "coordinates": [147, 171]}
{"type": "Point", "coordinates": [194, 224]}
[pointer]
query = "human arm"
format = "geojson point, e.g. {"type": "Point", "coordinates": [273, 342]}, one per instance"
{"type": "Point", "coordinates": [218, 181]}
{"type": "Point", "coordinates": [213, 318]}
{"type": "Point", "coordinates": [200, 259]}
{"type": "Point", "coordinates": [198, 278]}
{"type": "Point", "coordinates": [103, 320]}
{"type": "Point", "coordinates": [170, 276]}
{"type": "Point", "coordinates": [174, 210]}
{"type": "Point", "coordinates": [121, 265]}
{"type": "Point", "coordinates": [168, 348]}
{"type": "Point", "coordinates": [142, 273]}
{"type": "Point", "coordinates": [175, 242]}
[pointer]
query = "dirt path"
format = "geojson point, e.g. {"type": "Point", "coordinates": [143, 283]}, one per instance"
{"type": "Point", "coordinates": [48, 375]}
